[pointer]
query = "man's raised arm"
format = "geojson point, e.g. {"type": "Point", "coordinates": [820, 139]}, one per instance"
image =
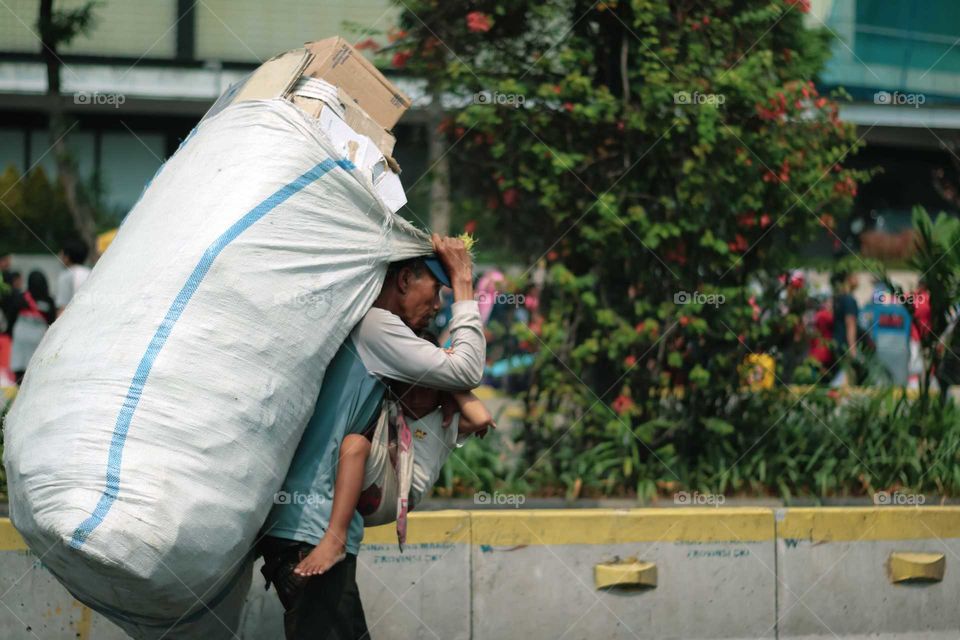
{"type": "Point", "coordinates": [390, 349]}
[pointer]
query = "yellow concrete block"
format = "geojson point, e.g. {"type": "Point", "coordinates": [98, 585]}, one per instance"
{"type": "Point", "coordinates": [906, 566]}
{"type": "Point", "coordinates": [629, 573]}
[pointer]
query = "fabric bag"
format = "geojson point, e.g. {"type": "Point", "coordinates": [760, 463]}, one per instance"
{"type": "Point", "coordinates": [162, 409]}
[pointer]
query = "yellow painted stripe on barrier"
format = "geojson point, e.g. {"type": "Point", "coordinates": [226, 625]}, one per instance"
{"type": "Point", "coordinates": [505, 527]}
{"type": "Point", "coordinates": [425, 527]}
{"type": "Point", "coordinates": [10, 539]}
{"type": "Point", "coordinates": [612, 526]}
{"type": "Point", "coordinates": [846, 524]}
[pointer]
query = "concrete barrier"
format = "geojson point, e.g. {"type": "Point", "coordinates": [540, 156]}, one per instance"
{"type": "Point", "coordinates": [835, 574]}
{"type": "Point", "coordinates": [604, 573]}
{"type": "Point", "coordinates": [423, 592]}
{"type": "Point", "coordinates": [534, 573]}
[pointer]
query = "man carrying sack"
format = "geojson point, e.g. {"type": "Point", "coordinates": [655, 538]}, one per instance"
{"type": "Point", "coordinates": [383, 346]}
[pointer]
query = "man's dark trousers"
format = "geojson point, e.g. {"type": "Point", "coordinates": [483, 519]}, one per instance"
{"type": "Point", "coordinates": [323, 607]}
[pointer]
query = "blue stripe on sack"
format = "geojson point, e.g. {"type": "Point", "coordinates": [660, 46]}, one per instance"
{"type": "Point", "coordinates": [163, 332]}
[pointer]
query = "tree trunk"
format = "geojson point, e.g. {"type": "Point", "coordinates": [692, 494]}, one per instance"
{"type": "Point", "coordinates": [439, 168]}
{"type": "Point", "coordinates": [82, 216]}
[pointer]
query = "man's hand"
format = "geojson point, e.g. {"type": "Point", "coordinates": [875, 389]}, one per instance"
{"type": "Point", "coordinates": [474, 416]}
{"type": "Point", "coordinates": [456, 260]}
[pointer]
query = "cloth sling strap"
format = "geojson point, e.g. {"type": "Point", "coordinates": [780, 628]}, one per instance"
{"type": "Point", "coordinates": [404, 469]}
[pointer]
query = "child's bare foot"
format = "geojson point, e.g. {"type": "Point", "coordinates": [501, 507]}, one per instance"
{"type": "Point", "coordinates": [329, 552]}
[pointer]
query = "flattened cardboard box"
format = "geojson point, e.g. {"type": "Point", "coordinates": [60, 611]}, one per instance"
{"type": "Point", "coordinates": [275, 77]}
{"type": "Point", "coordinates": [355, 117]}
{"type": "Point", "coordinates": [340, 64]}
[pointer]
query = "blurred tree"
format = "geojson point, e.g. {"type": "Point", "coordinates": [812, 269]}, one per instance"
{"type": "Point", "coordinates": [35, 217]}
{"type": "Point", "coordinates": [667, 159]}
{"type": "Point", "coordinates": [58, 27]}
{"type": "Point", "coordinates": [937, 260]}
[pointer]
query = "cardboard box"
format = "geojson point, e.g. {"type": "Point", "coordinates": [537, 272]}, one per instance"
{"type": "Point", "coordinates": [340, 64]}
{"type": "Point", "coordinates": [355, 117]}
{"type": "Point", "coordinates": [275, 77]}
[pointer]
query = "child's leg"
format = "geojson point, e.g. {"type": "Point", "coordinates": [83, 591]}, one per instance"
{"type": "Point", "coordinates": [346, 493]}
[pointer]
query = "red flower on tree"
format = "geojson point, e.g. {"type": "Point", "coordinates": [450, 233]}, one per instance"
{"type": "Point", "coordinates": [677, 255]}
{"type": "Point", "coordinates": [369, 43]}
{"type": "Point", "coordinates": [622, 404]}
{"type": "Point", "coordinates": [400, 59]}
{"type": "Point", "coordinates": [739, 244]}
{"type": "Point", "coordinates": [478, 22]}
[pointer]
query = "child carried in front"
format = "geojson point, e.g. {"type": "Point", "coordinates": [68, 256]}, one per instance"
{"type": "Point", "coordinates": [433, 442]}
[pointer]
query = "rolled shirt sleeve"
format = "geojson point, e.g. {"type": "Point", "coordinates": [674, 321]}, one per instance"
{"type": "Point", "coordinates": [390, 349]}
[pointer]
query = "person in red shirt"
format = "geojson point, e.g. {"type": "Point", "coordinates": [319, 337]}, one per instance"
{"type": "Point", "coordinates": [820, 343]}
{"type": "Point", "coordinates": [921, 313]}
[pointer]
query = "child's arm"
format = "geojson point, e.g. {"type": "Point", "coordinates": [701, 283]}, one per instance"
{"type": "Point", "coordinates": [474, 417]}
{"type": "Point", "coordinates": [346, 493]}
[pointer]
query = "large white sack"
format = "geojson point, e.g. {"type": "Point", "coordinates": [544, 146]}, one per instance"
{"type": "Point", "coordinates": [160, 413]}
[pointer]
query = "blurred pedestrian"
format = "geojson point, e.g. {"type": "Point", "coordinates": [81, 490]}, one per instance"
{"type": "Point", "coordinates": [35, 312]}
{"type": "Point", "coordinates": [823, 333]}
{"type": "Point", "coordinates": [920, 300]}
{"type": "Point", "coordinates": [7, 316]}
{"type": "Point", "coordinates": [7, 313]}
{"type": "Point", "coordinates": [73, 256]}
{"type": "Point", "coordinates": [845, 311]}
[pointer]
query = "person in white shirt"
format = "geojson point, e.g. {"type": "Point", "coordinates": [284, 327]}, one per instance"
{"type": "Point", "coordinates": [73, 256]}
{"type": "Point", "coordinates": [384, 347]}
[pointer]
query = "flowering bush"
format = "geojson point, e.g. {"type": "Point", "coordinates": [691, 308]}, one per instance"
{"type": "Point", "coordinates": [666, 161]}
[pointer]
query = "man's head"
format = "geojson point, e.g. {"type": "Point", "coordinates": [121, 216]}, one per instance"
{"type": "Point", "coordinates": [844, 280]}
{"type": "Point", "coordinates": [6, 261]}
{"type": "Point", "coordinates": [74, 252]}
{"type": "Point", "coordinates": [412, 291]}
